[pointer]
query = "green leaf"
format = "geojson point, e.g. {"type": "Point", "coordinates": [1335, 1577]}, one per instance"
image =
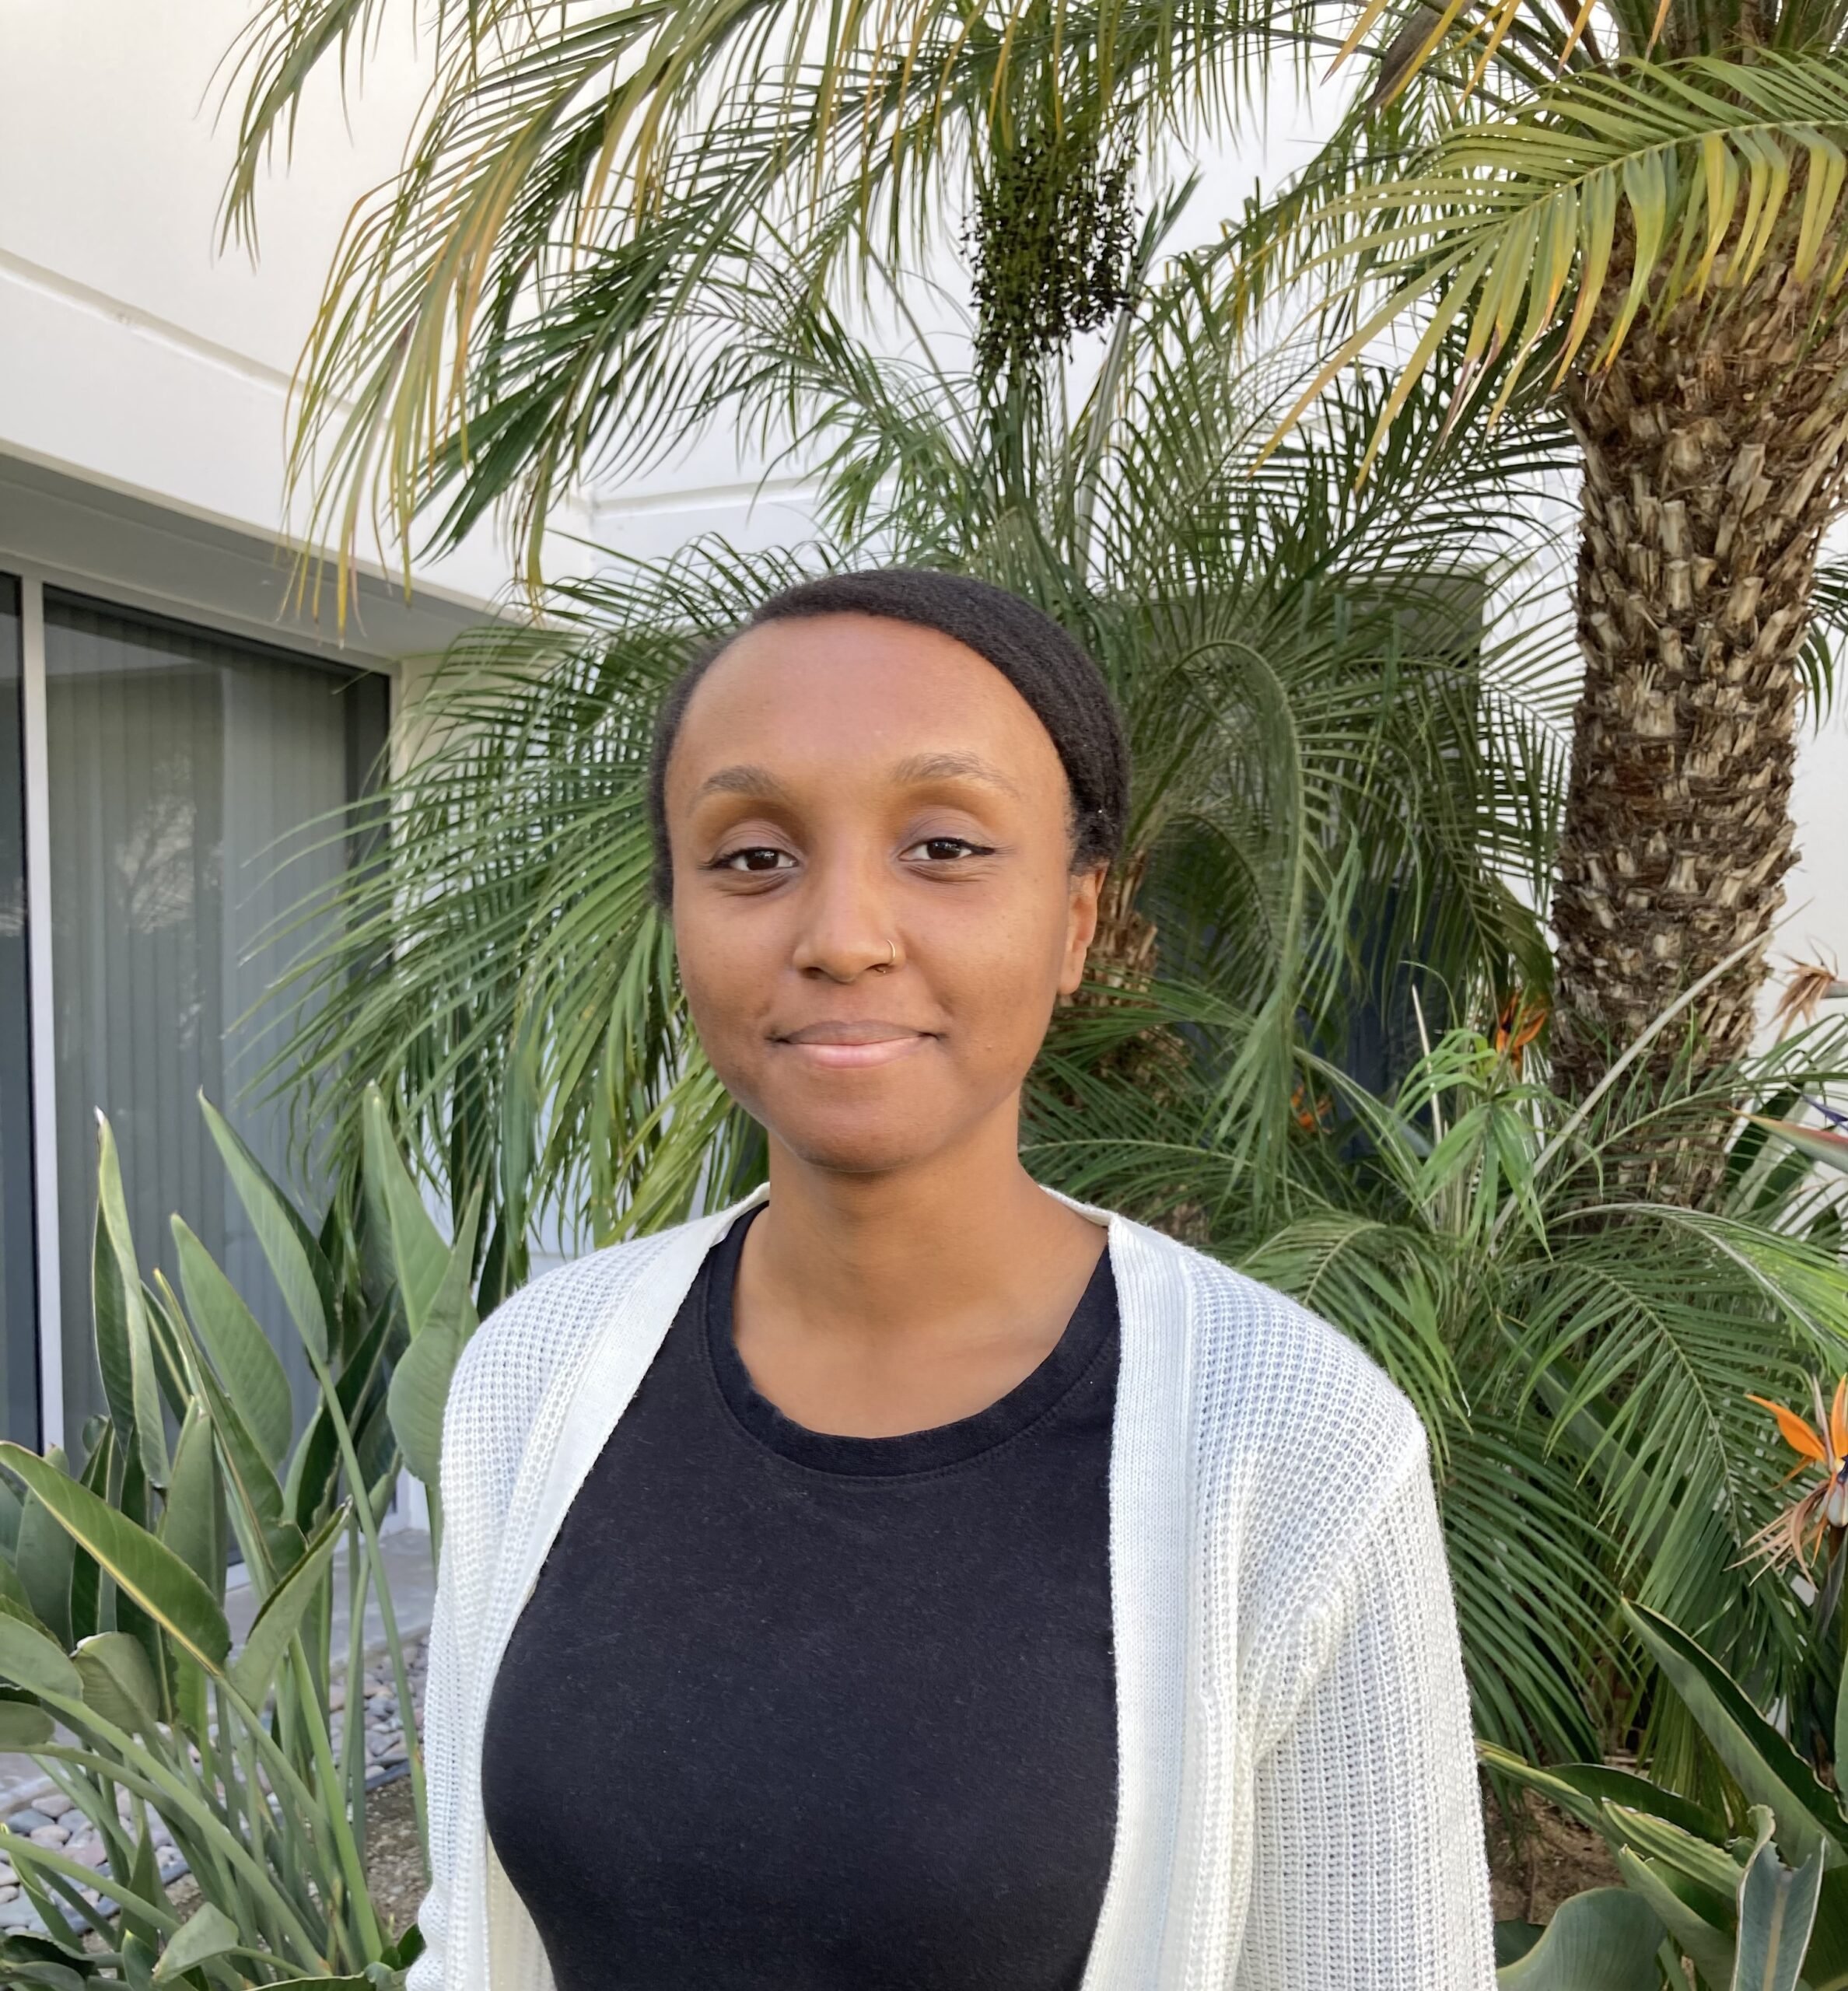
{"type": "Point", "coordinates": [35, 1968]}
{"type": "Point", "coordinates": [144, 1879]}
{"type": "Point", "coordinates": [29, 1658]}
{"type": "Point", "coordinates": [253, 1372]}
{"type": "Point", "coordinates": [1580, 1790]}
{"type": "Point", "coordinates": [1513, 1939]}
{"type": "Point", "coordinates": [143, 1566]}
{"type": "Point", "coordinates": [453, 1305]}
{"type": "Point", "coordinates": [124, 1345]}
{"type": "Point", "coordinates": [1709, 1866]}
{"type": "Point", "coordinates": [374, 1977]}
{"type": "Point", "coordinates": [1704, 1924]}
{"type": "Point", "coordinates": [1777, 1909]}
{"type": "Point", "coordinates": [1603, 1941]}
{"type": "Point", "coordinates": [312, 1471]}
{"type": "Point", "coordinates": [13, 1592]}
{"type": "Point", "coordinates": [43, 1560]}
{"type": "Point", "coordinates": [271, 1541]}
{"type": "Point", "coordinates": [86, 1579]}
{"type": "Point", "coordinates": [254, 1670]}
{"type": "Point", "coordinates": [1765, 1767]}
{"type": "Point", "coordinates": [171, 1339]}
{"type": "Point", "coordinates": [191, 1696]}
{"type": "Point", "coordinates": [118, 1681]}
{"type": "Point", "coordinates": [420, 1386]}
{"type": "Point", "coordinates": [435, 1282]}
{"type": "Point", "coordinates": [294, 1257]}
{"type": "Point", "coordinates": [1841, 1715]}
{"type": "Point", "coordinates": [1825, 1962]}
{"type": "Point", "coordinates": [138, 1960]}
{"type": "Point", "coordinates": [408, 1947]}
{"type": "Point", "coordinates": [207, 1932]}
{"type": "Point", "coordinates": [190, 1524]}
{"type": "Point", "coordinates": [24, 1725]}
{"type": "Point", "coordinates": [420, 1257]}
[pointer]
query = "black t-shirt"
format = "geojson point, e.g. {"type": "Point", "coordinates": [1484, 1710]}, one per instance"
{"type": "Point", "coordinates": [787, 1711]}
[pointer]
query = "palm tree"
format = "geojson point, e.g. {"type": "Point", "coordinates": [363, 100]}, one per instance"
{"type": "Point", "coordinates": [1648, 227]}
{"type": "Point", "coordinates": [1295, 652]}
{"type": "Point", "coordinates": [1266, 611]}
{"type": "Point", "coordinates": [1283, 638]}
{"type": "Point", "coordinates": [525, 300]}
{"type": "Point", "coordinates": [1635, 209]}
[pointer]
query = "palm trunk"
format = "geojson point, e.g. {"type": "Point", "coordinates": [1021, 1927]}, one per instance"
{"type": "Point", "coordinates": [1122, 951]}
{"type": "Point", "coordinates": [1121, 962]}
{"type": "Point", "coordinates": [1714, 459]}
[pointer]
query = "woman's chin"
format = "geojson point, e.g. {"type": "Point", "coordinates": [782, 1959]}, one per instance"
{"type": "Point", "coordinates": [861, 1137]}
{"type": "Point", "coordinates": [856, 1150]}
{"type": "Point", "coordinates": [873, 1122]}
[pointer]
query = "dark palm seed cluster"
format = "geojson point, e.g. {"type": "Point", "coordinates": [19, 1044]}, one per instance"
{"type": "Point", "coordinates": [1051, 241]}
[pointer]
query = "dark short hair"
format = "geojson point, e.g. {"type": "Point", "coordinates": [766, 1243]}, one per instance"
{"type": "Point", "coordinates": [1043, 662]}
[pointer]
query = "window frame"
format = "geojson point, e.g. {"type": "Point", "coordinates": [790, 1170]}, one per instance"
{"type": "Point", "coordinates": [32, 578]}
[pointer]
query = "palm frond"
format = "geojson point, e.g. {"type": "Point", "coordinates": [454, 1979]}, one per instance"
{"type": "Point", "coordinates": [524, 285]}
{"type": "Point", "coordinates": [1672, 179]}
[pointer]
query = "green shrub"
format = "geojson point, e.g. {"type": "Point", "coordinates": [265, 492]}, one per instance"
{"type": "Point", "coordinates": [112, 1591]}
{"type": "Point", "coordinates": [1712, 1887]}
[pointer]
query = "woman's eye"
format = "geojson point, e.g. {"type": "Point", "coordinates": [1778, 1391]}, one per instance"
{"type": "Point", "coordinates": [755, 857]}
{"type": "Point", "coordinates": [943, 850]}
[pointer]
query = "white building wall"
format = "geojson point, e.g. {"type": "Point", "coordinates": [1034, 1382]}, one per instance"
{"type": "Point", "coordinates": [133, 353]}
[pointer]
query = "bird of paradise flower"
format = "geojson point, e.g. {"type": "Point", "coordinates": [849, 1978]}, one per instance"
{"type": "Point", "coordinates": [1822, 1514]}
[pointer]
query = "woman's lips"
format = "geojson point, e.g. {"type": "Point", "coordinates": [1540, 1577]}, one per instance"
{"type": "Point", "coordinates": [845, 1046]}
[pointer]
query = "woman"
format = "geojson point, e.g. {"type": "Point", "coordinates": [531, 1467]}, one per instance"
{"type": "Point", "coordinates": [910, 1580]}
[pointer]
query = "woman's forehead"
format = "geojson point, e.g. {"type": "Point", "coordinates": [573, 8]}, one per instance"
{"type": "Point", "coordinates": [861, 688]}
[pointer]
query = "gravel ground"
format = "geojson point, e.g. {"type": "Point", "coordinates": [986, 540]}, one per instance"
{"type": "Point", "coordinates": [44, 1821]}
{"type": "Point", "coordinates": [393, 1854]}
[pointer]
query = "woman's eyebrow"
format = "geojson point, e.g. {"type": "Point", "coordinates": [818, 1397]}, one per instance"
{"type": "Point", "coordinates": [953, 767]}
{"type": "Point", "coordinates": [748, 777]}
{"type": "Point", "coordinates": [745, 778]}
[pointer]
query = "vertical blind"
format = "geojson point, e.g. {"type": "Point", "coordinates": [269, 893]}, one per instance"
{"type": "Point", "coordinates": [187, 774]}
{"type": "Point", "coordinates": [19, 1341]}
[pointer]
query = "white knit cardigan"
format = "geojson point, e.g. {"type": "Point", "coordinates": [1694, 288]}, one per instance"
{"type": "Point", "coordinates": [1297, 1805]}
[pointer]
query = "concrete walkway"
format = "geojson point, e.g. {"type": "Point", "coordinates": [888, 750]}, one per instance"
{"type": "Point", "coordinates": [407, 1555]}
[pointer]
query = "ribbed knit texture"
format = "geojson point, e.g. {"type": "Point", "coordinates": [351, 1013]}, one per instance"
{"type": "Point", "coordinates": [1298, 1808]}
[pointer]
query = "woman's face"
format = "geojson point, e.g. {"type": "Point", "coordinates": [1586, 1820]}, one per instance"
{"type": "Point", "coordinates": [873, 900]}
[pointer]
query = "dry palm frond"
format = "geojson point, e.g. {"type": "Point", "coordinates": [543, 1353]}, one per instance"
{"type": "Point", "coordinates": [1809, 987]}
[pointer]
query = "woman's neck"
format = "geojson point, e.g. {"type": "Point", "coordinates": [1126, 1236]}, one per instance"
{"type": "Point", "coordinates": [892, 1302]}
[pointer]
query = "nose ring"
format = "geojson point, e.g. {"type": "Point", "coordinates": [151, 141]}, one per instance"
{"type": "Point", "coordinates": [892, 954]}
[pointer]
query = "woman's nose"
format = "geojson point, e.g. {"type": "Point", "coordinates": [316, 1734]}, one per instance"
{"type": "Point", "coordinates": [847, 929]}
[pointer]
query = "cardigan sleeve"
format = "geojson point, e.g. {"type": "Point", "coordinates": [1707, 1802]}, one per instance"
{"type": "Point", "coordinates": [1368, 1869]}
{"type": "Point", "coordinates": [440, 1715]}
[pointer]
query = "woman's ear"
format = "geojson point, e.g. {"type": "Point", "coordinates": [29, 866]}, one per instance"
{"type": "Point", "coordinates": [1081, 924]}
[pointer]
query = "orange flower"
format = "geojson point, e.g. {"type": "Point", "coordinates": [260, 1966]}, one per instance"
{"type": "Point", "coordinates": [1521, 1019]}
{"type": "Point", "coordinates": [1825, 1505]}
{"type": "Point", "coordinates": [1312, 1116]}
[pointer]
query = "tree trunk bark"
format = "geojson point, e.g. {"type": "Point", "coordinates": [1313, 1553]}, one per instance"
{"type": "Point", "coordinates": [1122, 951]}
{"type": "Point", "coordinates": [1715, 452]}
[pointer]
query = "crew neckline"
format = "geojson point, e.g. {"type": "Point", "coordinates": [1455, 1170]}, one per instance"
{"type": "Point", "coordinates": [1090, 1330]}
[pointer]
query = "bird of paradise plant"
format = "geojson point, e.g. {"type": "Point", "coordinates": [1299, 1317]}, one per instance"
{"type": "Point", "coordinates": [1518, 1023]}
{"type": "Point", "coordinates": [1814, 1524]}
{"type": "Point", "coordinates": [1822, 1511]}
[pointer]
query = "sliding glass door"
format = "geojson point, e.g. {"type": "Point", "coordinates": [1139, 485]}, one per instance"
{"type": "Point", "coordinates": [190, 780]}
{"type": "Point", "coordinates": [18, 1282]}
